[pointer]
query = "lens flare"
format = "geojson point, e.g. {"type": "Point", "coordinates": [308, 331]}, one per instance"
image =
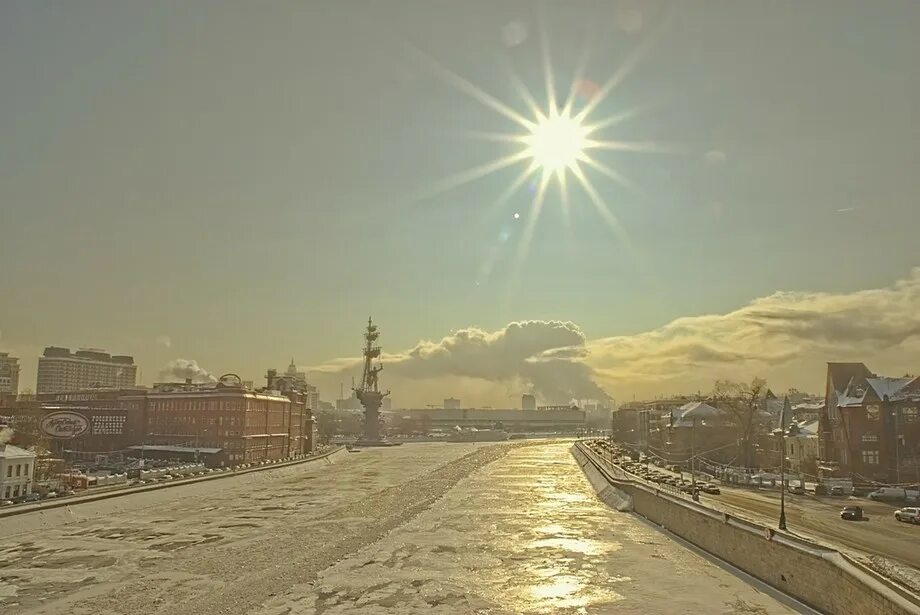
{"type": "Point", "coordinates": [556, 142]}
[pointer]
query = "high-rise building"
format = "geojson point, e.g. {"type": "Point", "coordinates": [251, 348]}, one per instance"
{"type": "Point", "coordinates": [9, 374]}
{"type": "Point", "coordinates": [294, 380]}
{"type": "Point", "coordinates": [451, 403]}
{"type": "Point", "coordinates": [528, 402]}
{"type": "Point", "coordinates": [60, 370]}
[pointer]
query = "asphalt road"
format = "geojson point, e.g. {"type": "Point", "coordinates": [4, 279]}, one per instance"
{"type": "Point", "coordinates": [819, 517]}
{"type": "Point", "coordinates": [422, 528]}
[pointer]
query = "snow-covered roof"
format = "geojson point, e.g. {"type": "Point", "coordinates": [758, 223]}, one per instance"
{"type": "Point", "coordinates": [14, 452]}
{"type": "Point", "coordinates": [808, 406]}
{"type": "Point", "coordinates": [697, 410]}
{"type": "Point", "coordinates": [804, 429]}
{"type": "Point", "coordinates": [888, 386]}
{"type": "Point", "coordinates": [684, 416]}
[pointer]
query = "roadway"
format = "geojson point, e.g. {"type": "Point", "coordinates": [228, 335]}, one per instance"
{"type": "Point", "coordinates": [818, 518]}
{"type": "Point", "coordinates": [421, 528]}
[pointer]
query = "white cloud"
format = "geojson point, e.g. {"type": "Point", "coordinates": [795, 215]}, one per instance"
{"type": "Point", "coordinates": [541, 355]}
{"type": "Point", "coordinates": [787, 337]}
{"type": "Point", "coordinates": [766, 333]}
{"type": "Point", "coordinates": [164, 340]}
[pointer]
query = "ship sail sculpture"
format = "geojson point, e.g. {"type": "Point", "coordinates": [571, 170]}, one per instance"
{"type": "Point", "coordinates": [369, 393]}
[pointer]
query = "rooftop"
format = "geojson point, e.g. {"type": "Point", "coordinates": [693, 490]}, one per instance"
{"type": "Point", "coordinates": [14, 452]}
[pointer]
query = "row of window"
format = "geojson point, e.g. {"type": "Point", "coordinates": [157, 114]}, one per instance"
{"type": "Point", "coordinates": [15, 491]}
{"type": "Point", "coordinates": [250, 405]}
{"type": "Point", "coordinates": [22, 469]}
{"type": "Point", "coordinates": [905, 415]}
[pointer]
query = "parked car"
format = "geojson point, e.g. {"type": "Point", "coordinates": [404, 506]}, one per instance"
{"type": "Point", "coordinates": [6, 502]}
{"type": "Point", "coordinates": [852, 513]}
{"type": "Point", "coordinates": [888, 493]}
{"type": "Point", "coordinates": [837, 490]}
{"type": "Point", "coordinates": [32, 497]}
{"type": "Point", "coordinates": [796, 489]}
{"type": "Point", "coordinates": [908, 515]}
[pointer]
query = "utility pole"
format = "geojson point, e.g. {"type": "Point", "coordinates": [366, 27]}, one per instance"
{"type": "Point", "coordinates": [693, 457]}
{"type": "Point", "coordinates": [782, 480]}
{"type": "Point", "coordinates": [897, 448]}
{"type": "Point", "coordinates": [782, 463]}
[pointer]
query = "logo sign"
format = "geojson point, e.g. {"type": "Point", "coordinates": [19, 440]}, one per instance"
{"type": "Point", "coordinates": [64, 424]}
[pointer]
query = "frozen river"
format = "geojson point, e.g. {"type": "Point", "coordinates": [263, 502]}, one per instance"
{"type": "Point", "coordinates": [421, 528]}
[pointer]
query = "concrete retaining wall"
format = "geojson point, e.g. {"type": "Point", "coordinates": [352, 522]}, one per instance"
{"type": "Point", "coordinates": [814, 574]}
{"type": "Point", "coordinates": [105, 493]}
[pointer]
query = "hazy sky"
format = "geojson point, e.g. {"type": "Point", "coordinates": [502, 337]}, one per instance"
{"type": "Point", "coordinates": [238, 183]}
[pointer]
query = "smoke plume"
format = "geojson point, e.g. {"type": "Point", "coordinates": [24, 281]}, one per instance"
{"type": "Point", "coordinates": [178, 370]}
{"type": "Point", "coordinates": [6, 435]}
{"type": "Point", "coordinates": [543, 356]}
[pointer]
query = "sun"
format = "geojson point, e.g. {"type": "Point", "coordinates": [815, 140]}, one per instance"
{"type": "Point", "coordinates": [556, 142]}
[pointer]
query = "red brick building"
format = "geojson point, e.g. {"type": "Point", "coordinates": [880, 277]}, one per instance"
{"type": "Point", "coordinates": [221, 424]}
{"type": "Point", "coordinates": [227, 424]}
{"type": "Point", "coordinates": [870, 427]}
{"type": "Point", "coordinates": [80, 423]}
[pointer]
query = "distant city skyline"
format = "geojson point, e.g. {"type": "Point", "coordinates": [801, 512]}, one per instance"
{"type": "Point", "coordinates": [220, 188]}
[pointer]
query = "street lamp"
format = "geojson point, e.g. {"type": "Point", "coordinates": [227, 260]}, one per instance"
{"type": "Point", "coordinates": [782, 476]}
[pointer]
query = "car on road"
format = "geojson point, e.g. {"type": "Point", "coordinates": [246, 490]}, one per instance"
{"type": "Point", "coordinates": [51, 494]}
{"type": "Point", "coordinates": [852, 513]}
{"type": "Point", "coordinates": [6, 502]}
{"type": "Point", "coordinates": [710, 489]}
{"type": "Point", "coordinates": [908, 515]}
{"type": "Point", "coordinates": [32, 497]}
{"type": "Point", "coordinates": [796, 489]}
{"type": "Point", "coordinates": [837, 490]}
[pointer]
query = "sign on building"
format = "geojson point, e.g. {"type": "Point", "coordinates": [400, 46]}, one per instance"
{"type": "Point", "coordinates": [109, 425]}
{"type": "Point", "coordinates": [64, 425]}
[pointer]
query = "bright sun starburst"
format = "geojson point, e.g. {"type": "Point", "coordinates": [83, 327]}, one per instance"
{"type": "Point", "coordinates": [556, 142]}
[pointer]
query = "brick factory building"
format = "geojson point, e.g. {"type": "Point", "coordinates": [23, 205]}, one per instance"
{"type": "Point", "coordinates": [221, 423]}
{"type": "Point", "coordinates": [226, 424]}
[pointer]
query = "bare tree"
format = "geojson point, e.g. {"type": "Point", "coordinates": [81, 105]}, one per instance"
{"type": "Point", "coordinates": [743, 402]}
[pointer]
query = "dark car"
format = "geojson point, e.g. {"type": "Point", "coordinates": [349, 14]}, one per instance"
{"type": "Point", "coordinates": [796, 489]}
{"type": "Point", "coordinates": [852, 513]}
{"type": "Point", "coordinates": [837, 491]}
{"type": "Point", "coordinates": [710, 489]}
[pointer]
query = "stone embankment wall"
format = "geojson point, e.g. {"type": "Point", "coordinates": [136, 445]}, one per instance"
{"type": "Point", "coordinates": [816, 575]}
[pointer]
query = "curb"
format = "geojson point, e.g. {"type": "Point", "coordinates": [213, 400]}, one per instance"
{"type": "Point", "coordinates": [89, 498]}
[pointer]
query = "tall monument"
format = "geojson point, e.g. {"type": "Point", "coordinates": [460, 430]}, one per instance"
{"type": "Point", "coordinates": [368, 393]}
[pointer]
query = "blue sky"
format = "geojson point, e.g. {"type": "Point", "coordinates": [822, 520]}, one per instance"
{"type": "Point", "coordinates": [237, 178]}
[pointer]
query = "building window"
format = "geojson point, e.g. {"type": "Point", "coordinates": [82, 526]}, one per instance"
{"type": "Point", "coordinates": [869, 437]}
{"type": "Point", "coordinates": [910, 415]}
{"type": "Point", "coordinates": [870, 457]}
{"type": "Point", "coordinates": [18, 470]}
{"type": "Point", "coordinates": [9, 471]}
{"type": "Point", "coordinates": [872, 412]}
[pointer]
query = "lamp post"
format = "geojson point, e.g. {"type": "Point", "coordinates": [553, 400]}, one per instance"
{"type": "Point", "coordinates": [692, 457]}
{"type": "Point", "coordinates": [782, 480]}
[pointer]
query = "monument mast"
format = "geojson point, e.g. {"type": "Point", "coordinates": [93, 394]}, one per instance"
{"type": "Point", "coordinates": [369, 393]}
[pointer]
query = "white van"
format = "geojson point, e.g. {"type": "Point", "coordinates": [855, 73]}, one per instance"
{"type": "Point", "coordinates": [889, 493]}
